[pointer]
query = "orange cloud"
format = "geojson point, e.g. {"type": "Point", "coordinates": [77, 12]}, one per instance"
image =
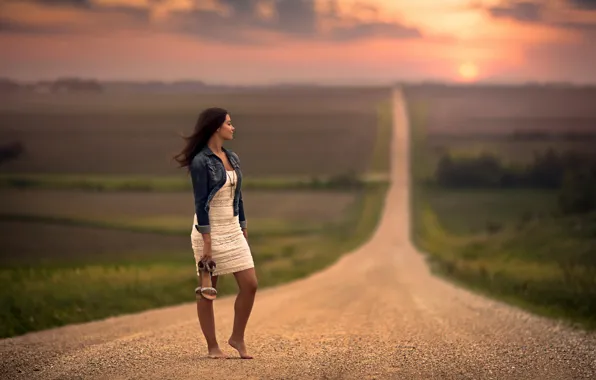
{"type": "Point", "coordinates": [266, 9]}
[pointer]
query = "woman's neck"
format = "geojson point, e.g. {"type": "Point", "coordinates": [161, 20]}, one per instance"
{"type": "Point", "coordinates": [215, 145]}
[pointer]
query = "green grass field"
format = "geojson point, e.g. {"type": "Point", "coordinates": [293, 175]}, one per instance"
{"type": "Point", "coordinates": [124, 279]}
{"type": "Point", "coordinates": [505, 243]}
{"type": "Point", "coordinates": [465, 212]}
{"type": "Point", "coordinates": [82, 245]}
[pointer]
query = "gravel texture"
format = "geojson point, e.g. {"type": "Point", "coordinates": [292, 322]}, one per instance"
{"type": "Point", "coordinates": [376, 314]}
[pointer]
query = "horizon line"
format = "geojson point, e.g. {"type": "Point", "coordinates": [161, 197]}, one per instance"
{"type": "Point", "coordinates": [305, 83]}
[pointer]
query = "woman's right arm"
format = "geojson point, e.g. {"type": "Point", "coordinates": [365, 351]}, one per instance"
{"type": "Point", "coordinates": [200, 184]}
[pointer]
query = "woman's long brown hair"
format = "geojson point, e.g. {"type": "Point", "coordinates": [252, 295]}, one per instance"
{"type": "Point", "coordinates": [208, 122]}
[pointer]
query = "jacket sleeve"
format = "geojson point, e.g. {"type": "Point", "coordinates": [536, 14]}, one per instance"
{"type": "Point", "coordinates": [242, 217]}
{"type": "Point", "coordinates": [200, 184]}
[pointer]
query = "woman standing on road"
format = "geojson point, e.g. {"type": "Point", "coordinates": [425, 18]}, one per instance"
{"type": "Point", "coordinates": [219, 233]}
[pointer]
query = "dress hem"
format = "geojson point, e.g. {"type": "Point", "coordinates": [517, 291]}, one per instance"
{"type": "Point", "coordinates": [233, 270]}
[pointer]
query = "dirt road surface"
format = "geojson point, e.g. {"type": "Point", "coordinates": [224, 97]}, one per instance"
{"type": "Point", "coordinates": [377, 313]}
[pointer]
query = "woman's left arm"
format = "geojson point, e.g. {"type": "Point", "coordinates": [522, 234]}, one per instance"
{"type": "Point", "coordinates": [242, 216]}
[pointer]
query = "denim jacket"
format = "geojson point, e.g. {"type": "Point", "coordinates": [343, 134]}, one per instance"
{"type": "Point", "coordinates": [208, 175]}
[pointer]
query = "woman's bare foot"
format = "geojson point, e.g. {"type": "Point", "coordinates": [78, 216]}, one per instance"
{"type": "Point", "coordinates": [240, 347]}
{"type": "Point", "coordinates": [216, 353]}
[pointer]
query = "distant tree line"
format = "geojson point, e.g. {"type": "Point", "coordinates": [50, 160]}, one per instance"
{"type": "Point", "coordinates": [542, 135]}
{"type": "Point", "coordinates": [75, 85]}
{"type": "Point", "coordinates": [572, 173]}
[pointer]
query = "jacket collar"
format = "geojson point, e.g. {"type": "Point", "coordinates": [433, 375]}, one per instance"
{"type": "Point", "coordinates": [209, 152]}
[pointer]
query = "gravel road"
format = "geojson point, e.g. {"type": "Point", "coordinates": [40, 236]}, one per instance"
{"type": "Point", "coordinates": [376, 314]}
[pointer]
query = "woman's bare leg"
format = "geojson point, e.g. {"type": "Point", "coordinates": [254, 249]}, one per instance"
{"type": "Point", "coordinates": [247, 284]}
{"type": "Point", "coordinates": [207, 322]}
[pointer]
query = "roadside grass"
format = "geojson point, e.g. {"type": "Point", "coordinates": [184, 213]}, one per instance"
{"type": "Point", "coordinates": [509, 245]}
{"type": "Point", "coordinates": [465, 212]}
{"type": "Point", "coordinates": [38, 297]}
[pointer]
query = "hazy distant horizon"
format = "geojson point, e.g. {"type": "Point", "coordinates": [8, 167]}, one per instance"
{"type": "Point", "coordinates": [256, 42]}
{"type": "Point", "coordinates": [305, 83]}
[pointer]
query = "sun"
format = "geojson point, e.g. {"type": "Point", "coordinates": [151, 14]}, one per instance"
{"type": "Point", "coordinates": [468, 71]}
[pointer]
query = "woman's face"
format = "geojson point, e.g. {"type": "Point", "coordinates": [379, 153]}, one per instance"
{"type": "Point", "coordinates": [226, 130]}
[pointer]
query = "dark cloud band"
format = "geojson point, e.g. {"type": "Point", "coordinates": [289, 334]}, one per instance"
{"type": "Point", "coordinates": [242, 24]}
{"type": "Point", "coordinates": [534, 11]}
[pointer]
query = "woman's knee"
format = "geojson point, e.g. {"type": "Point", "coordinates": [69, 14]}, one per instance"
{"type": "Point", "coordinates": [249, 286]}
{"type": "Point", "coordinates": [247, 281]}
{"type": "Point", "coordinates": [254, 285]}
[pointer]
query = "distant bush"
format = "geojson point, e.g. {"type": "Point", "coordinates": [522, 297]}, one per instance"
{"type": "Point", "coordinates": [546, 171]}
{"type": "Point", "coordinates": [347, 180]}
{"type": "Point", "coordinates": [578, 191]}
{"type": "Point", "coordinates": [482, 171]}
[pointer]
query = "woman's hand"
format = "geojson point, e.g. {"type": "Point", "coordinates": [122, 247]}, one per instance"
{"type": "Point", "coordinates": [245, 233]}
{"type": "Point", "coordinates": [206, 252]}
{"type": "Point", "coordinates": [206, 247]}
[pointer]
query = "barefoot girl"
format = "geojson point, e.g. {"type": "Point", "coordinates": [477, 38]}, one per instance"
{"type": "Point", "coordinates": [219, 234]}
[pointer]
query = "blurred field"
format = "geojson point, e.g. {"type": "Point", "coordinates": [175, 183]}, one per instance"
{"type": "Point", "coordinates": [278, 132]}
{"type": "Point", "coordinates": [509, 151]}
{"type": "Point", "coordinates": [515, 244]}
{"type": "Point", "coordinates": [300, 206]}
{"type": "Point", "coordinates": [493, 110]}
{"type": "Point", "coordinates": [96, 221]}
{"type": "Point", "coordinates": [272, 101]}
{"type": "Point", "coordinates": [63, 222]}
{"type": "Point", "coordinates": [513, 123]}
{"type": "Point", "coordinates": [49, 245]}
{"type": "Point", "coordinates": [135, 183]}
{"type": "Point", "coordinates": [465, 212]}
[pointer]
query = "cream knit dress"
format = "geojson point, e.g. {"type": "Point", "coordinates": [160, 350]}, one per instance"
{"type": "Point", "coordinates": [229, 248]}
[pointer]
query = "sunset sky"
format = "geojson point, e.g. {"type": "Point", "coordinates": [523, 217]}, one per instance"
{"type": "Point", "coordinates": [270, 41]}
